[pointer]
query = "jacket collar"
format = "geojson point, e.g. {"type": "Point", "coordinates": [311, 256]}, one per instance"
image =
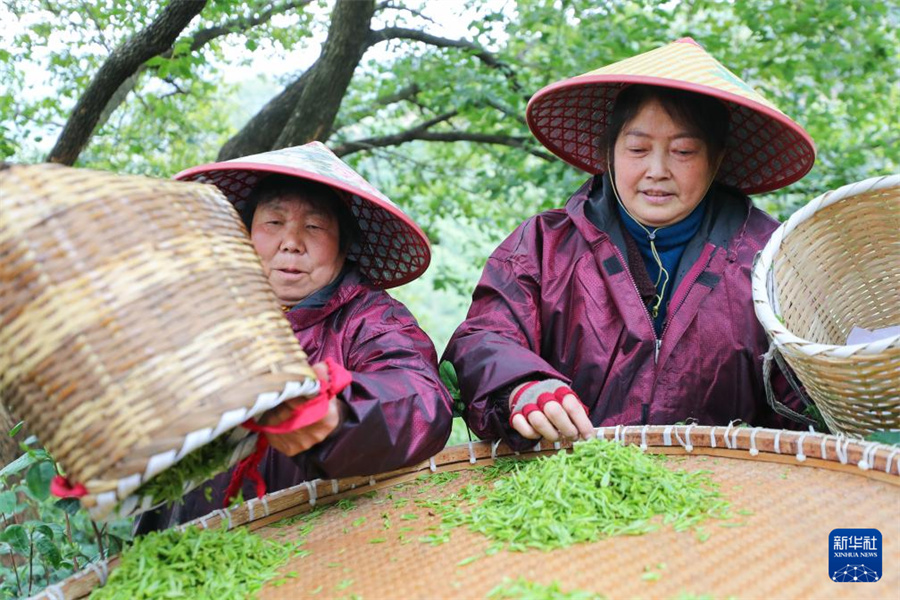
{"type": "Point", "coordinates": [593, 217]}
{"type": "Point", "coordinates": [593, 211]}
{"type": "Point", "coordinates": [352, 284]}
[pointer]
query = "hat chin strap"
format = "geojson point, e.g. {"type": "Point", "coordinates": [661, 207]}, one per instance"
{"type": "Point", "coordinates": [651, 235]}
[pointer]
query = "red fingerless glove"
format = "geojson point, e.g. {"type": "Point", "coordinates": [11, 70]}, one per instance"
{"type": "Point", "coordinates": [534, 395]}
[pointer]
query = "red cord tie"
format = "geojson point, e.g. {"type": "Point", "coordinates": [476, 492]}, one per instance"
{"type": "Point", "coordinates": [304, 415]}
{"type": "Point", "coordinates": [307, 413]}
{"type": "Point", "coordinates": [63, 488]}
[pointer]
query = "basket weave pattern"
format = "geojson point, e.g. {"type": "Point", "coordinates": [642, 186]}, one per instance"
{"type": "Point", "coordinates": [835, 265]}
{"type": "Point", "coordinates": [135, 321]}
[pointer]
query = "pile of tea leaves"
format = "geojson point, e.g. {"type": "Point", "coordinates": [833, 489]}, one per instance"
{"type": "Point", "coordinates": [198, 466]}
{"type": "Point", "coordinates": [522, 589]}
{"type": "Point", "coordinates": [217, 564]}
{"type": "Point", "coordinates": [600, 489]}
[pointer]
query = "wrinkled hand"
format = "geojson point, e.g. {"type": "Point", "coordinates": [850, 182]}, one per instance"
{"type": "Point", "coordinates": [537, 412]}
{"type": "Point", "coordinates": [304, 438]}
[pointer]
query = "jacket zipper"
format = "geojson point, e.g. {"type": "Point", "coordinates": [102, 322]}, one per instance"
{"type": "Point", "coordinates": [657, 342]}
{"type": "Point", "coordinates": [693, 280]}
{"type": "Point", "coordinates": [646, 413]}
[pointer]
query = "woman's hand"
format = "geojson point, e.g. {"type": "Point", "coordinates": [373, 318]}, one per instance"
{"type": "Point", "coordinates": [304, 438]}
{"type": "Point", "coordinates": [549, 409]}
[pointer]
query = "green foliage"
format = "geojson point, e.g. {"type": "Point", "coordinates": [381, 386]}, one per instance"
{"type": "Point", "coordinates": [45, 539]}
{"type": "Point", "coordinates": [831, 65]}
{"type": "Point", "coordinates": [448, 378]}
{"type": "Point", "coordinates": [812, 411]}
{"type": "Point", "coordinates": [174, 112]}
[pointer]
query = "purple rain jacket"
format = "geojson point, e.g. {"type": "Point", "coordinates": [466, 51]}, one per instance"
{"type": "Point", "coordinates": [398, 411]}
{"type": "Point", "coordinates": [557, 299]}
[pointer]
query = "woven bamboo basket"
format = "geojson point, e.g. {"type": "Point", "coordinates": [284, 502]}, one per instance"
{"type": "Point", "coordinates": [833, 265]}
{"type": "Point", "coordinates": [136, 326]}
{"type": "Point", "coordinates": [790, 490]}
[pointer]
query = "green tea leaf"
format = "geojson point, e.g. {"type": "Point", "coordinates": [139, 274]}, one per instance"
{"type": "Point", "coordinates": [17, 538]}
{"type": "Point", "coordinates": [600, 489]}
{"type": "Point", "coordinates": [38, 479]}
{"type": "Point", "coordinates": [177, 563]}
{"type": "Point", "coordinates": [522, 589]}
{"type": "Point", "coordinates": [7, 502]}
{"type": "Point", "coordinates": [885, 437]}
{"type": "Point", "coordinates": [47, 549]}
{"type": "Point", "coordinates": [467, 561]}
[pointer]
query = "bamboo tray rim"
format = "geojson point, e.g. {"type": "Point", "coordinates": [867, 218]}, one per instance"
{"type": "Point", "coordinates": [872, 460]}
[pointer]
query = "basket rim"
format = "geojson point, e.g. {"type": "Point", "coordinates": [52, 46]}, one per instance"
{"type": "Point", "coordinates": [125, 502]}
{"type": "Point", "coordinates": [765, 301]}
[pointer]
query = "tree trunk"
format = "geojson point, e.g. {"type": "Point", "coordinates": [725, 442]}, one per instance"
{"type": "Point", "coordinates": [260, 133]}
{"type": "Point", "coordinates": [122, 64]}
{"type": "Point", "coordinates": [306, 109]}
{"type": "Point", "coordinates": [321, 97]}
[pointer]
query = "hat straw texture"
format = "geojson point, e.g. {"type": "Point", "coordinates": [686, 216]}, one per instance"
{"type": "Point", "coordinates": [765, 150]}
{"type": "Point", "coordinates": [393, 250]}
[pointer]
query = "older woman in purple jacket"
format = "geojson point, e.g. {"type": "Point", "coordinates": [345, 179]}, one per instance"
{"type": "Point", "coordinates": [329, 244]}
{"type": "Point", "coordinates": [632, 304]}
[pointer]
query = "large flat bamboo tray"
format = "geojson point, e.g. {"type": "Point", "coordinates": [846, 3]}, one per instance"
{"type": "Point", "coordinates": [788, 490]}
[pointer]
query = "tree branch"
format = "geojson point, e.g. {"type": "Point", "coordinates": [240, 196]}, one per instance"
{"type": "Point", "coordinates": [406, 93]}
{"type": "Point", "coordinates": [506, 111]}
{"type": "Point", "coordinates": [175, 91]}
{"type": "Point", "coordinates": [121, 64]}
{"type": "Point", "coordinates": [485, 138]}
{"type": "Point", "coordinates": [204, 36]}
{"type": "Point", "coordinates": [420, 132]}
{"type": "Point", "coordinates": [392, 140]}
{"type": "Point", "coordinates": [387, 5]}
{"type": "Point", "coordinates": [200, 39]}
{"type": "Point", "coordinates": [391, 33]}
{"type": "Point", "coordinates": [89, 11]}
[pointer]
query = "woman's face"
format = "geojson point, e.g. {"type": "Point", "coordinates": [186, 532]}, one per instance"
{"type": "Point", "coordinates": [299, 245]}
{"type": "Point", "coordinates": [662, 169]}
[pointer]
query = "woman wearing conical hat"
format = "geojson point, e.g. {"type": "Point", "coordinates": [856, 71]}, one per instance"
{"type": "Point", "coordinates": [632, 304]}
{"type": "Point", "coordinates": [330, 244]}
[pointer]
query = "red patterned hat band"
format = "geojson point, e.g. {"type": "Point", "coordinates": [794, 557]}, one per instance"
{"type": "Point", "coordinates": [392, 249]}
{"type": "Point", "coordinates": [766, 150]}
